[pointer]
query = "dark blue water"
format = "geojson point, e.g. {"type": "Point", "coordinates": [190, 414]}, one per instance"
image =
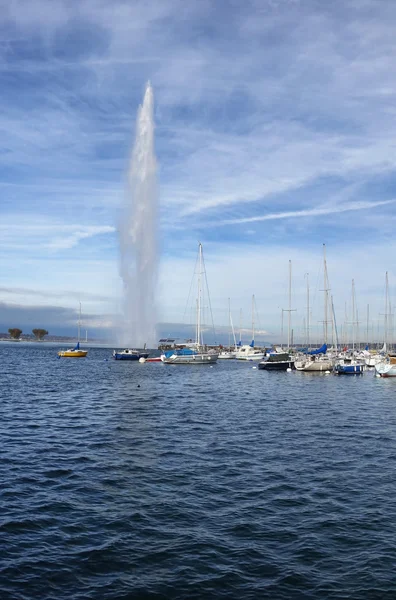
{"type": "Point", "coordinates": [121, 480]}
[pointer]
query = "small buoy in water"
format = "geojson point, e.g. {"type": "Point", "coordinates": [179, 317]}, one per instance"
{"type": "Point", "coordinates": [288, 370]}
{"type": "Point", "coordinates": [254, 367]}
{"type": "Point", "coordinates": [142, 359]}
{"type": "Point", "coordinates": [327, 372]}
{"type": "Point", "coordinates": [138, 385]}
{"type": "Point", "coordinates": [377, 375]}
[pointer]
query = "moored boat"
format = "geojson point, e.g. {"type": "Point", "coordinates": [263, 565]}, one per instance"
{"type": "Point", "coordinates": [315, 361]}
{"type": "Point", "coordinates": [349, 366]}
{"type": "Point", "coordinates": [75, 352]}
{"type": "Point", "coordinates": [249, 352]}
{"type": "Point", "coordinates": [387, 368]}
{"type": "Point", "coordinates": [129, 354]}
{"type": "Point", "coordinates": [195, 353]}
{"type": "Point", "coordinates": [226, 355]}
{"type": "Point", "coordinates": [277, 362]}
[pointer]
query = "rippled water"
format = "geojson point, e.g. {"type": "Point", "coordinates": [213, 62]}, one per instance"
{"type": "Point", "coordinates": [122, 480]}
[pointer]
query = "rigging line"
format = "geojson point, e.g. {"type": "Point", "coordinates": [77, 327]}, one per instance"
{"type": "Point", "coordinates": [313, 303]}
{"type": "Point", "coordinates": [209, 302]}
{"type": "Point", "coordinates": [189, 293]}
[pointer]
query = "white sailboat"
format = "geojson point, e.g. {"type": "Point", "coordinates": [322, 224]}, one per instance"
{"type": "Point", "coordinates": [387, 366]}
{"type": "Point", "coordinates": [195, 353]}
{"type": "Point", "coordinates": [248, 351]}
{"type": "Point", "coordinates": [316, 360]}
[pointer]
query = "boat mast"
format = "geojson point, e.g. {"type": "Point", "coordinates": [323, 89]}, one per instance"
{"type": "Point", "coordinates": [367, 324]}
{"type": "Point", "coordinates": [307, 276]}
{"type": "Point", "coordinates": [232, 324]}
{"type": "Point", "coordinates": [289, 316]}
{"type": "Point", "coordinates": [240, 326]}
{"type": "Point", "coordinates": [199, 295]}
{"type": "Point", "coordinates": [353, 315]}
{"type": "Point", "coordinates": [386, 311]}
{"type": "Point", "coordinates": [325, 291]}
{"type": "Point", "coordinates": [229, 323]}
{"type": "Point", "coordinates": [79, 323]}
{"type": "Point", "coordinates": [282, 328]}
{"type": "Point", "coordinates": [253, 320]}
{"type": "Point", "coordinates": [288, 310]}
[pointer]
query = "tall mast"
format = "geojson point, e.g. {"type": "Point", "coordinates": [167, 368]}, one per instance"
{"type": "Point", "coordinates": [367, 324]}
{"type": "Point", "coordinates": [199, 296]}
{"type": "Point", "coordinates": [232, 324]}
{"type": "Point", "coordinates": [386, 311]}
{"type": "Point", "coordinates": [79, 323]}
{"type": "Point", "coordinates": [289, 316]}
{"type": "Point", "coordinates": [307, 276]}
{"type": "Point", "coordinates": [282, 328]}
{"type": "Point", "coordinates": [240, 326]}
{"type": "Point", "coordinates": [353, 314]}
{"type": "Point", "coordinates": [325, 291]}
{"type": "Point", "coordinates": [288, 310]}
{"type": "Point", "coordinates": [253, 319]}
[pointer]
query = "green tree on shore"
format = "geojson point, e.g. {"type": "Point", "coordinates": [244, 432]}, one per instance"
{"type": "Point", "coordinates": [39, 333]}
{"type": "Point", "coordinates": [15, 333]}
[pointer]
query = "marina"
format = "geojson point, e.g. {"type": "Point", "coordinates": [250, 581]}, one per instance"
{"type": "Point", "coordinates": [197, 202]}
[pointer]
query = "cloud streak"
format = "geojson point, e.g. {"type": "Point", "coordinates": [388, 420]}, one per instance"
{"type": "Point", "coordinates": [313, 212]}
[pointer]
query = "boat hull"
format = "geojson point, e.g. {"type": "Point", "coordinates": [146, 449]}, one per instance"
{"type": "Point", "coordinates": [349, 369]}
{"type": "Point", "coordinates": [257, 356]}
{"type": "Point", "coordinates": [72, 353]}
{"type": "Point", "coordinates": [385, 370]}
{"type": "Point", "coordinates": [314, 366]}
{"type": "Point", "coordinates": [193, 359]}
{"type": "Point", "coordinates": [121, 356]}
{"type": "Point", "coordinates": [276, 366]}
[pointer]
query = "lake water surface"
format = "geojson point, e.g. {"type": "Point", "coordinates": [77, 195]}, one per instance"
{"type": "Point", "coordinates": [124, 480]}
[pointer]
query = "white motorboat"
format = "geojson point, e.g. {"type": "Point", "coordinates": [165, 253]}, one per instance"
{"type": "Point", "coordinates": [226, 355]}
{"type": "Point", "coordinates": [249, 352]}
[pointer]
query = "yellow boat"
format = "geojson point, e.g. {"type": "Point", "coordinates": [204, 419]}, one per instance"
{"type": "Point", "coordinates": [73, 352]}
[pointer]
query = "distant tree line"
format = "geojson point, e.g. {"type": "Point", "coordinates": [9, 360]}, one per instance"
{"type": "Point", "coordinates": [15, 333]}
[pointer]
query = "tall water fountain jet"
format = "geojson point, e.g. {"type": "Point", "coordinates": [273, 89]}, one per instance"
{"type": "Point", "coordinates": [138, 232]}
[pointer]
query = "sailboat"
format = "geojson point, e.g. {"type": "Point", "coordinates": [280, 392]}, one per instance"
{"type": "Point", "coordinates": [387, 366]}
{"type": "Point", "coordinates": [349, 364]}
{"type": "Point", "coordinates": [229, 354]}
{"type": "Point", "coordinates": [194, 353]}
{"type": "Point", "coordinates": [248, 351]}
{"type": "Point", "coordinates": [316, 361]}
{"type": "Point", "coordinates": [75, 352]}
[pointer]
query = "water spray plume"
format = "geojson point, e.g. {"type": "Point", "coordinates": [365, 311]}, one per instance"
{"type": "Point", "coordinates": [138, 232]}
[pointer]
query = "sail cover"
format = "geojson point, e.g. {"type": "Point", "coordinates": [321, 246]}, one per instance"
{"type": "Point", "coordinates": [321, 350]}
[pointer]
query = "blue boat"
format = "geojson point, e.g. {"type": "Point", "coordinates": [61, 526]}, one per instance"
{"type": "Point", "coordinates": [129, 354]}
{"type": "Point", "coordinates": [349, 366]}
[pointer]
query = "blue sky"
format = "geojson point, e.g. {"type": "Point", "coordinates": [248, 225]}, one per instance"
{"type": "Point", "coordinates": [275, 129]}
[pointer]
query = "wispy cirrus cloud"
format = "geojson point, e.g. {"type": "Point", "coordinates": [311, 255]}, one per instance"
{"type": "Point", "coordinates": [312, 212]}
